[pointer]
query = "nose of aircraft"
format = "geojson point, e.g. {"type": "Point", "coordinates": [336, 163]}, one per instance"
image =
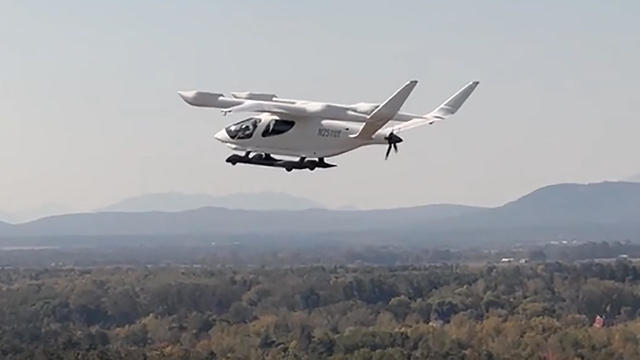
{"type": "Point", "coordinates": [222, 136]}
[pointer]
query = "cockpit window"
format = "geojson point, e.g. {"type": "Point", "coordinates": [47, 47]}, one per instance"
{"type": "Point", "coordinates": [277, 127]}
{"type": "Point", "coordinates": [243, 129]}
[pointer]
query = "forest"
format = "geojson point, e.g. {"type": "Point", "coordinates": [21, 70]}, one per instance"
{"type": "Point", "coordinates": [539, 310]}
{"type": "Point", "coordinates": [274, 254]}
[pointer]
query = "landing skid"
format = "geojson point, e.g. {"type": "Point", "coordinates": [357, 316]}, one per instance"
{"type": "Point", "coordinates": [268, 160]}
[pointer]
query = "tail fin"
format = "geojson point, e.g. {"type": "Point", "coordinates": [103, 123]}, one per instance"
{"type": "Point", "coordinates": [442, 112]}
{"type": "Point", "coordinates": [385, 112]}
{"type": "Point", "coordinates": [453, 103]}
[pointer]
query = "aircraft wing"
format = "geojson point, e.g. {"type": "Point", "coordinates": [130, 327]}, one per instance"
{"type": "Point", "coordinates": [267, 106]}
{"type": "Point", "coordinates": [386, 112]}
{"type": "Point", "coordinates": [301, 109]}
{"type": "Point", "coordinates": [250, 102]}
{"type": "Point", "coordinates": [375, 117]}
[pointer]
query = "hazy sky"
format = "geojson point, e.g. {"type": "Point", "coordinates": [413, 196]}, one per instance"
{"type": "Point", "coordinates": [89, 112]}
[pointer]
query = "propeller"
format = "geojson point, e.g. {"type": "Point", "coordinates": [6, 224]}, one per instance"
{"type": "Point", "coordinates": [393, 140]}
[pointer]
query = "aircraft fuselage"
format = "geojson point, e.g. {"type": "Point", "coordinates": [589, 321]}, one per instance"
{"type": "Point", "coordinates": [298, 137]}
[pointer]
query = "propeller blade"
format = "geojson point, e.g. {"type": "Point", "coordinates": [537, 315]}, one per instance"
{"type": "Point", "coordinates": [392, 140]}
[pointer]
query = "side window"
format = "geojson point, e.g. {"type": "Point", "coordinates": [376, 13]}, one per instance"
{"type": "Point", "coordinates": [277, 127]}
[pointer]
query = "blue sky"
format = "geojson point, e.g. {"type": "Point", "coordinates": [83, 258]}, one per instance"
{"type": "Point", "coordinates": [89, 112]}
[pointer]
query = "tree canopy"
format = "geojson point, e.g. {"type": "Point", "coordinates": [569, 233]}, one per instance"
{"type": "Point", "coordinates": [514, 311]}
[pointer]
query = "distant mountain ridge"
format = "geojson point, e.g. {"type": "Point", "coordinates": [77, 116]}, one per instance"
{"type": "Point", "coordinates": [602, 211]}
{"type": "Point", "coordinates": [588, 212]}
{"type": "Point", "coordinates": [563, 204]}
{"type": "Point", "coordinates": [5, 217]}
{"type": "Point", "coordinates": [213, 220]}
{"type": "Point", "coordinates": [176, 201]}
{"type": "Point", "coordinates": [34, 213]}
{"type": "Point", "coordinates": [4, 226]}
{"type": "Point", "coordinates": [606, 202]}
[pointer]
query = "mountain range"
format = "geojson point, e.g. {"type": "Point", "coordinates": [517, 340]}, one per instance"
{"type": "Point", "coordinates": [176, 201]}
{"type": "Point", "coordinates": [601, 211]}
{"type": "Point", "coordinates": [34, 213]}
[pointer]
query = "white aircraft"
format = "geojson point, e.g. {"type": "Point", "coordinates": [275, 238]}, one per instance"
{"type": "Point", "coordinates": [312, 131]}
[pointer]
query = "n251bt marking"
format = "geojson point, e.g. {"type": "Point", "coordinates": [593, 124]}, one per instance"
{"type": "Point", "coordinates": [324, 132]}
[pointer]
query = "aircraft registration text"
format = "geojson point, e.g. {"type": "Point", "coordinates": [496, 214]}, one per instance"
{"type": "Point", "coordinates": [324, 132]}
